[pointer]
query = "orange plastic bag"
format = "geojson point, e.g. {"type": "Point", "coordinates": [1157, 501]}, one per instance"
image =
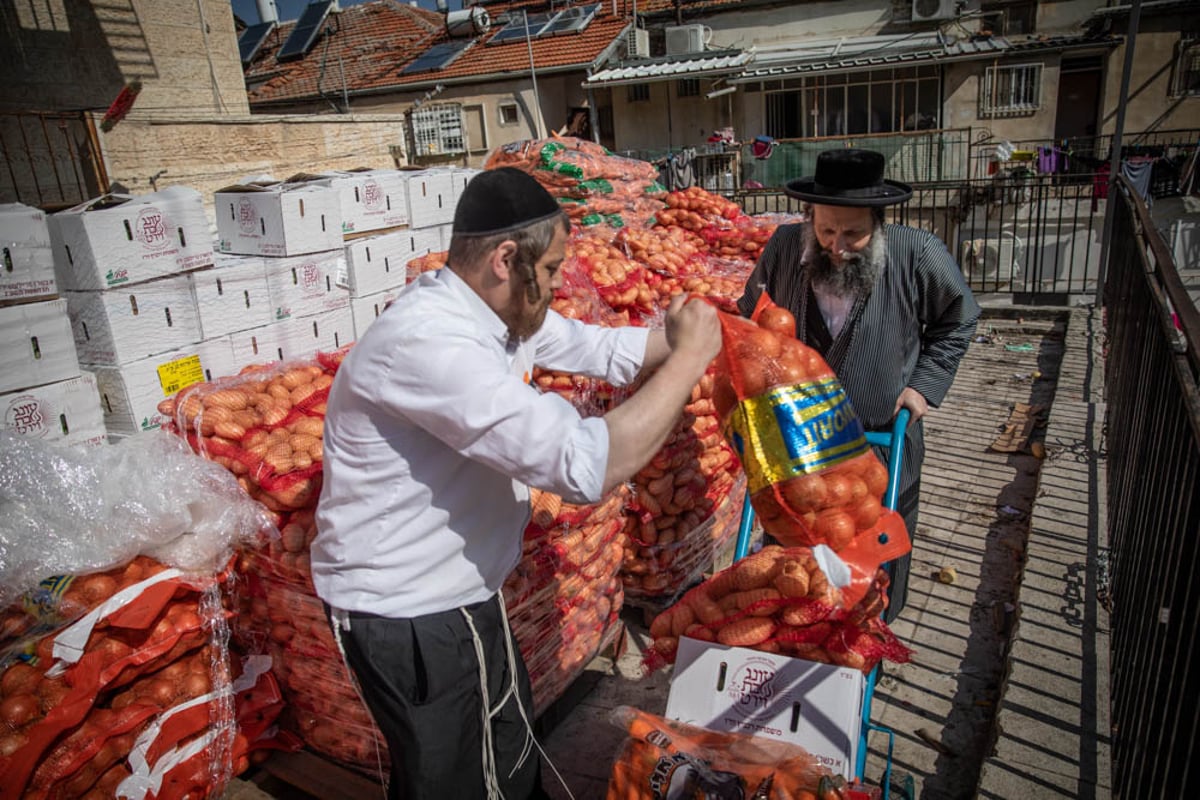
{"type": "Point", "coordinates": [812, 477]}
{"type": "Point", "coordinates": [663, 758]}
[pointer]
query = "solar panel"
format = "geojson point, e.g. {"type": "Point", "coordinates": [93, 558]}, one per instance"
{"type": "Point", "coordinates": [305, 33]}
{"type": "Point", "coordinates": [439, 56]}
{"type": "Point", "coordinates": [515, 29]}
{"type": "Point", "coordinates": [252, 39]}
{"type": "Point", "coordinates": [570, 20]}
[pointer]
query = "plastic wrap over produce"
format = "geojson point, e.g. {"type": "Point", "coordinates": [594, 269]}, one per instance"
{"type": "Point", "coordinates": [686, 505]}
{"type": "Point", "coordinates": [564, 597]}
{"type": "Point", "coordinates": [66, 511]}
{"type": "Point", "coordinates": [105, 676]}
{"type": "Point", "coordinates": [266, 426]}
{"type": "Point", "coordinates": [282, 616]}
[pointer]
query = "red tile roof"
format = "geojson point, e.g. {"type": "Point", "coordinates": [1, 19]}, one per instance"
{"type": "Point", "coordinates": [374, 41]}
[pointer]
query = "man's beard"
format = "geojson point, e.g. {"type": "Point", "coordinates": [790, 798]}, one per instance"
{"type": "Point", "coordinates": [523, 316]}
{"type": "Point", "coordinates": [855, 274]}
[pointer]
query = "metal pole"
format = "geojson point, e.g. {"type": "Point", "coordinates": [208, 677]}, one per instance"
{"type": "Point", "coordinates": [541, 124]}
{"type": "Point", "coordinates": [1114, 165]}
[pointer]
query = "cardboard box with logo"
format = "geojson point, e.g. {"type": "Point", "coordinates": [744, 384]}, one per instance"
{"type": "Point", "coordinates": [26, 260]}
{"type": "Point", "coordinates": [430, 197]}
{"type": "Point", "coordinates": [233, 295]}
{"type": "Point", "coordinates": [380, 263]}
{"type": "Point", "coordinates": [119, 239]}
{"type": "Point", "coordinates": [371, 200]}
{"type": "Point", "coordinates": [280, 219]}
{"type": "Point", "coordinates": [67, 412]}
{"type": "Point", "coordinates": [366, 310]}
{"type": "Point", "coordinates": [307, 285]}
{"type": "Point", "coordinates": [119, 326]}
{"type": "Point", "coordinates": [130, 393]}
{"type": "Point", "coordinates": [294, 339]}
{"type": "Point", "coordinates": [817, 706]}
{"type": "Point", "coordinates": [38, 345]}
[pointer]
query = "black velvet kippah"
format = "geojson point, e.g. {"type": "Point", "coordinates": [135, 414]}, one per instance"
{"type": "Point", "coordinates": [502, 200]}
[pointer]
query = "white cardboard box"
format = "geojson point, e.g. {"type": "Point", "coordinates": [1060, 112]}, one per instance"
{"type": "Point", "coordinates": [282, 219]}
{"type": "Point", "coordinates": [26, 260]}
{"type": "Point", "coordinates": [120, 239]}
{"type": "Point", "coordinates": [461, 176]}
{"type": "Point", "coordinates": [367, 309]}
{"type": "Point", "coordinates": [381, 262]}
{"type": "Point", "coordinates": [37, 345]}
{"type": "Point", "coordinates": [307, 285]}
{"type": "Point", "coordinates": [444, 233]}
{"type": "Point", "coordinates": [371, 200]}
{"type": "Point", "coordinates": [67, 412]}
{"type": "Point", "coordinates": [130, 393]}
{"type": "Point", "coordinates": [430, 197]}
{"type": "Point", "coordinates": [292, 339]}
{"type": "Point", "coordinates": [233, 295]}
{"type": "Point", "coordinates": [733, 689]}
{"type": "Point", "coordinates": [128, 324]}
{"type": "Point", "coordinates": [324, 333]}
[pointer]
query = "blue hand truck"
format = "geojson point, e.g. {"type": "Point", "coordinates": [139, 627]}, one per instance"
{"type": "Point", "coordinates": [893, 441]}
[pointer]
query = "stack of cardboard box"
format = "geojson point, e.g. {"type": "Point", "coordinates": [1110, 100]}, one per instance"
{"type": "Point", "coordinates": [43, 393]}
{"type": "Point", "coordinates": [122, 265]}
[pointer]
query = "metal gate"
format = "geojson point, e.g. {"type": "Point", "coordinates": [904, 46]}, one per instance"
{"type": "Point", "coordinates": [51, 159]}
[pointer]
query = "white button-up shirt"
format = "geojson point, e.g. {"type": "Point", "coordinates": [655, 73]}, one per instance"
{"type": "Point", "coordinates": [432, 434]}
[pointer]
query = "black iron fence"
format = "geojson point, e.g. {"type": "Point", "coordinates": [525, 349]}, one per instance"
{"type": "Point", "coordinates": [1030, 236]}
{"type": "Point", "coordinates": [1153, 437]}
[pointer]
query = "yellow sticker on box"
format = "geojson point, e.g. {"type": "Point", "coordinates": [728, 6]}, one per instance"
{"type": "Point", "coordinates": [174, 375]}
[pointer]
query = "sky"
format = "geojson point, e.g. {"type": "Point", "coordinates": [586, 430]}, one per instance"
{"type": "Point", "coordinates": [247, 10]}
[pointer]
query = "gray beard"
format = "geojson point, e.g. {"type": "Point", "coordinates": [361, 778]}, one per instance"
{"type": "Point", "coordinates": [855, 275]}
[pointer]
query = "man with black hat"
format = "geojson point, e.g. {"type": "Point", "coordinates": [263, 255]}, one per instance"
{"type": "Point", "coordinates": [886, 305]}
{"type": "Point", "coordinates": [432, 436]}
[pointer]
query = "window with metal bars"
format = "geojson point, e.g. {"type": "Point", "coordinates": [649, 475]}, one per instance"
{"type": "Point", "coordinates": [687, 87]}
{"type": "Point", "coordinates": [1186, 81]}
{"type": "Point", "coordinates": [1015, 89]}
{"type": "Point", "coordinates": [637, 92]}
{"type": "Point", "coordinates": [438, 129]}
{"type": "Point", "coordinates": [873, 101]}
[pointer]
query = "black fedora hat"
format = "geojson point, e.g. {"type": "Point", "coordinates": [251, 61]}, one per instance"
{"type": "Point", "coordinates": [849, 178]}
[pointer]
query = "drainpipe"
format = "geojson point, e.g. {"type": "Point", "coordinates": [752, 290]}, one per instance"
{"type": "Point", "coordinates": [1114, 166]}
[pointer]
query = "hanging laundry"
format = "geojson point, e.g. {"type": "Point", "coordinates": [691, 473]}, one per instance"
{"type": "Point", "coordinates": [1137, 171]}
{"type": "Point", "coordinates": [680, 168]}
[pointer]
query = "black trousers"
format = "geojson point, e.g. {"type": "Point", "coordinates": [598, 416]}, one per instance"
{"type": "Point", "coordinates": [421, 681]}
{"type": "Point", "coordinates": [906, 506]}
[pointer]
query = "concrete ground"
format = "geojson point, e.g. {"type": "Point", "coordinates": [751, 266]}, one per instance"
{"type": "Point", "coordinates": [1006, 695]}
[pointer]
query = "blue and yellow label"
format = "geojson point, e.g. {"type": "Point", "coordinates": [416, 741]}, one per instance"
{"type": "Point", "coordinates": [795, 430]}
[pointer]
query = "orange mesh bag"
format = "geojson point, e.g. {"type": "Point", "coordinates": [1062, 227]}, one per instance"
{"type": "Point", "coordinates": [663, 758]}
{"type": "Point", "coordinates": [780, 601]}
{"type": "Point", "coordinates": [813, 479]}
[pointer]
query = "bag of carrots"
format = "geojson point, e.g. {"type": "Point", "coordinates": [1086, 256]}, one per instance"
{"type": "Point", "coordinates": [778, 600]}
{"type": "Point", "coordinates": [664, 758]}
{"type": "Point", "coordinates": [813, 479]}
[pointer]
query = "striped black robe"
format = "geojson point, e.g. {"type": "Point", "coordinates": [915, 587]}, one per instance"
{"type": "Point", "coordinates": [911, 331]}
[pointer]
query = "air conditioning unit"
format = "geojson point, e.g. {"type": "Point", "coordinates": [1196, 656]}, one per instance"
{"type": "Point", "coordinates": [924, 10]}
{"type": "Point", "coordinates": [637, 43]}
{"type": "Point", "coordinates": [684, 39]}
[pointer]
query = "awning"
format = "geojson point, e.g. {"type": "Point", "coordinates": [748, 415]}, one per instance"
{"type": "Point", "coordinates": [707, 65]}
{"type": "Point", "coordinates": [827, 57]}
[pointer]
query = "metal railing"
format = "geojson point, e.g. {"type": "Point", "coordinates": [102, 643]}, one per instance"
{"type": "Point", "coordinates": [1032, 236]}
{"type": "Point", "coordinates": [1153, 437]}
{"type": "Point", "coordinates": [1077, 158]}
{"type": "Point", "coordinates": [920, 156]}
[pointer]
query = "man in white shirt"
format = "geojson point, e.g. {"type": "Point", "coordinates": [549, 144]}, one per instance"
{"type": "Point", "coordinates": [432, 436]}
